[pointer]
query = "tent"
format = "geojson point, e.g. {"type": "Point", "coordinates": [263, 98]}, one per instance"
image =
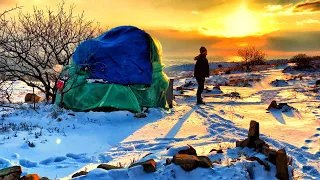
{"type": "Point", "coordinates": [121, 69]}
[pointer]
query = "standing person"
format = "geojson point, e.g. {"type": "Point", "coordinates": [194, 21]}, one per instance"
{"type": "Point", "coordinates": [201, 71]}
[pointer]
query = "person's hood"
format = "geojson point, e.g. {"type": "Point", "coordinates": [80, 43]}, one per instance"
{"type": "Point", "coordinates": [200, 55]}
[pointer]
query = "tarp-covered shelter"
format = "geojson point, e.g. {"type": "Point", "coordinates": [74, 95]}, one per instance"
{"type": "Point", "coordinates": [120, 69]}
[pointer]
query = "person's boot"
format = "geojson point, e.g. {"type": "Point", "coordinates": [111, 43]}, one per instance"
{"type": "Point", "coordinates": [200, 101]}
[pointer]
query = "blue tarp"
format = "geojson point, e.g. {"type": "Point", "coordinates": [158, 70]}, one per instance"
{"type": "Point", "coordinates": [121, 56]}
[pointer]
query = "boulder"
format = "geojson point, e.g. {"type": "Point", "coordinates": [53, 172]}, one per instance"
{"type": "Point", "coordinates": [11, 172]}
{"type": "Point", "coordinates": [274, 105]}
{"type": "Point", "coordinates": [108, 167]}
{"type": "Point", "coordinates": [263, 163]}
{"type": "Point", "coordinates": [168, 161]}
{"type": "Point", "coordinates": [220, 151]}
{"type": "Point", "coordinates": [204, 162]}
{"type": "Point", "coordinates": [282, 165]}
{"type": "Point", "coordinates": [190, 162]}
{"type": "Point", "coordinates": [265, 149]}
{"type": "Point", "coordinates": [81, 173]}
{"type": "Point", "coordinates": [272, 156]}
{"type": "Point", "coordinates": [243, 143]}
{"type": "Point", "coordinates": [44, 178]}
{"type": "Point", "coordinates": [259, 144]}
{"type": "Point", "coordinates": [30, 97]}
{"type": "Point", "coordinates": [148, 166]}
{"type": "Point", "coordinates": [30, 177]}
{"type": "Point", "coordinates": [253, 131]}
{"type": "Point", "coordinates": [140, 115]}
{"type": "Point", "coordinates": [189, 151]}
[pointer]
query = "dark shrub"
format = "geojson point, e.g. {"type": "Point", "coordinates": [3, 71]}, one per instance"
{"type": "Point", "coordinates": [302, 61]}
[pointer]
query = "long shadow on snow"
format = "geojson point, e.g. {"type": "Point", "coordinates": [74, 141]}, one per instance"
{"type": "Point", "coordinates": [175, 129]}
{"type": "Point", "coordinates": [277, 114]}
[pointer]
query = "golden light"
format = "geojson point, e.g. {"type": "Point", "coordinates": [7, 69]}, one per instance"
{"type": "Point", "coordinates": [58, 141]}
{"type": "Point", "coordinates": [241, 23]}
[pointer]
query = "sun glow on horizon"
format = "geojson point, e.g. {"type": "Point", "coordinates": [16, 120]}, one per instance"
{"type": "Point", "coordinates": [241, 23]}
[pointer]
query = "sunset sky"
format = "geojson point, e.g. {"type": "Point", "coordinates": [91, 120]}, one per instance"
{"type": "Point", "coordinates": [282, 28]}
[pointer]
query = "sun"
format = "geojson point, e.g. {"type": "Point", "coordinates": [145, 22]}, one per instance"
{"type": "Point", "coordinates": [241, 23]}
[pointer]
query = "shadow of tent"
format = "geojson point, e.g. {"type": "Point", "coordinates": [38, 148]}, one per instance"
{"type": "Point", "coordinates": [175, 129]}
{"type": "Point", "coordinates": [277, 114]}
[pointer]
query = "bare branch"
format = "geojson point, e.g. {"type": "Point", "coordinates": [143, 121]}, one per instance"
{"type": "Point", "coordinates": [31, 44]}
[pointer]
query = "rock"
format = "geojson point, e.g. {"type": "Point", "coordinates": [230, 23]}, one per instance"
{"type": "Point", "coordinates": [190, 151]}
{"type": "Point", "coordinates": [265, 164]}
{"type": "Point", "coordinates": [190, 162]}
{"type": "Point", "coordinates": [81, 173]}
{"type": "Point", "coordinates": [274, 105]}
{"type": "Point", "coordinates": [168, 161]}
{"type": "Point", "coordinates": [243, 143]}
{"type": "Point", "coordinates": [216, 162]}
{"type": "Point", "coordinates": [30, 177]}
{"type": "Point", "coordinates": [259, 144]}
{"type": "Point", "coordinates": [11, 172]}
{"type": "Point", "coordinates": [272, 156]}
{"type": "Point", "coordinates": [148, 166]}
{"type": "Point", "coordinates": [30, 97]}
{"type": "Point", "coordinates": [279, 83]}
{"type": "Point", "coordinates": [186, 162]}
{"type": "Point", "coordinates": [108, 167]}
{"type": "Point", "coordinates": [282, 165]}
{"type": "Point", "coordinates": [218, 151]}
{"type": "Point", "coordinates": [140, 115]}
{"type": "Point", "coordinates": [318, 83]}
{"type": "Point", "coordinates": [253, 134]}
{"type": "Point", "coordinates": [204, 162]}
{"type": "Point", "coordinates": [265, 149]}
{"type": "Point", "coordinates": [44, 178]}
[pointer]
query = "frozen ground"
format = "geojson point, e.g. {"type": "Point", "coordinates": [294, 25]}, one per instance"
{"type": "Point", "coordinates": [66, 142]}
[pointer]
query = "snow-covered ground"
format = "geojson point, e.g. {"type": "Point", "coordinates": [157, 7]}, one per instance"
{"type": "Point", "coordinates": [67, 142]}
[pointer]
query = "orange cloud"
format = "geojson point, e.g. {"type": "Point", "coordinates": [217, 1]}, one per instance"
{"type": "Point", "coordinates": [307, 7]}
{"type": "Point", "coordinates": [7, 2]}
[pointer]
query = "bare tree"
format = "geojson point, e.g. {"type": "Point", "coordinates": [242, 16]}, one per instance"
{"type": "Point", "coordinates": [251, 56]}
{"type": "Point", "coordinates": [6, 91]}
{"type": "Point", "coordinates": [32, 44]}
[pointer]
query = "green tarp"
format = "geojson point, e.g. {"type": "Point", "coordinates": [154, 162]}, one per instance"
{"type": "Point", "coordinates": [80, 95]}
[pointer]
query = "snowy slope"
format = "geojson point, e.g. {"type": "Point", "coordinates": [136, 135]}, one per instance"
{"type": "Point", "coordinates": [66, 142]}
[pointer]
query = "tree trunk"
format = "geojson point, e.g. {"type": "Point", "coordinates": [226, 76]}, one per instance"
{"type": "Point", "coordinates": [47, 89]}
{"type": "Point", "coordinates": [54, 98]}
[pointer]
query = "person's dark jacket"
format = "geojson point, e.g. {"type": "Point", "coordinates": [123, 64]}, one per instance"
{"type": "Point", "coordinates": [201, 68]}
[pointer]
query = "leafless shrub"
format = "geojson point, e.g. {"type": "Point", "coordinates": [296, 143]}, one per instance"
{"type": "Point", "coordinates": [302, 61]}
{"type": "Point", "coordinates": [32, 44]}
{"type": "Point", "coordinates": [252, 56]}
